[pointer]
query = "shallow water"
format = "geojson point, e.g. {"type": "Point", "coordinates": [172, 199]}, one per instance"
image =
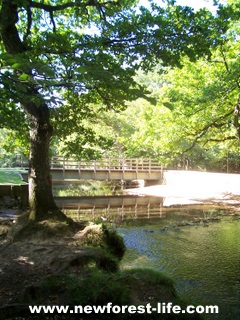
{"type": "Point", "coordinates": [203, 259]}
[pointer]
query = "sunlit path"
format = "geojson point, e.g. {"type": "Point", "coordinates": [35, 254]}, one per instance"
{"type": "Point", "coordinates": [189, 187]}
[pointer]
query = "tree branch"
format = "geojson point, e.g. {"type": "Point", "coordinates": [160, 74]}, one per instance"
{"type": "Point", "coordinates": [104, 98]}
{"type": "Point", "coordinates": [73, 4]}
{"type": "Point", "coordinates": [29, 23]}
{"type": "Point", "coordinates": [204, 131]}
{"type": "Point", "coordinates": [8, 30]}
{"type": "Point", "coordinates": [237, 106]}
{"type": "Point", "coordinates": [52, 20]}
{"type": "Point", "coordinates": [222, 140]}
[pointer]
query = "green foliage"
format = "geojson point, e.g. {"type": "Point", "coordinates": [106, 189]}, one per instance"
{"type": "Point", "coordinates": [193, 124]}
{"type": "Point", "coordinates": [78, 73]}
{"type": "Point", "coordinates": [13, 149]}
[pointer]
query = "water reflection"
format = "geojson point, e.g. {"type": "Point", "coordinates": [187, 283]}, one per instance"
{"type": "Point", "coordinates": [129, 207]}
{"type": "Point", "coordinates": [111, 208]}
{"type": "Point", "coordinates": [203, 259]}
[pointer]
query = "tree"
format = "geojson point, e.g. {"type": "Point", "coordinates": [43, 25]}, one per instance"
{"type": "Point", "coordinates": [195, 121]}
{"type": "Point", "coordinates": [53, 70]}
{"type": "Point", "coordinates": [204, 101]}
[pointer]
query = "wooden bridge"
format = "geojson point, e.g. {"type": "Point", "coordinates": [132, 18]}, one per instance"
{"type": "Point", "coordinates": [63, 169]}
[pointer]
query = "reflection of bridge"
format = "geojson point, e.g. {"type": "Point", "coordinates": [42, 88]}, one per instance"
{"type": "Point", "coordinates": [111, 207]}
{"type": "Point", "coordinates": [63, 169]}
{"type": "Point", "coordinates": [89, 202]}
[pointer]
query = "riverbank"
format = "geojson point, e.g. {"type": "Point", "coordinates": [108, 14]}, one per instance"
{"type": "Point", "coordinates": [53, 264]}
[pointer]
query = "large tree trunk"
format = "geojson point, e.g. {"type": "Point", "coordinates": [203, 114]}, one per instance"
{"type": "Point", "coordinates": [41, 200]}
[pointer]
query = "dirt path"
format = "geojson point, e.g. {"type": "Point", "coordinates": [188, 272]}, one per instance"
{"type": "Point", "coordinates": [193, 187]}
{"type": "Point", "coordinates": [26, 262]}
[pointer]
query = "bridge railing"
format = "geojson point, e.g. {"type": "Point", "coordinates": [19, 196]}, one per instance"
{"type": "Point", "coordinates": [106, 164]}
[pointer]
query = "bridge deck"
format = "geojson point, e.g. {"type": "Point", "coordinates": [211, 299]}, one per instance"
{"type": "Point", "coordinates": [105, 169]}
{"type": "Point", "coordinates": [71, 170]}
{"type": "Point", "coordinates": [101, 174]}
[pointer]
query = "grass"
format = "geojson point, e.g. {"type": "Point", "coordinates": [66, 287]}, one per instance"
{"type": "Point", "coordinates": [11, 176]}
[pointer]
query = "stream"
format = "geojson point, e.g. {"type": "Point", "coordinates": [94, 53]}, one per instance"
{"type": "Point", "coordinates": [197, 246]}
{"type": "Point", "coordinates": [197, 250]}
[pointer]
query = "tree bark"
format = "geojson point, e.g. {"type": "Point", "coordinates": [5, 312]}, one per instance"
{"type": "Point", "coordinates": [41, 200]}
{"type": "Point", "coordinates": [236, 117]}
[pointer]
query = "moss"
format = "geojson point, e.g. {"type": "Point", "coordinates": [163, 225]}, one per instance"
{"type": "Point", "coordinates": [114, 241]}
{"type": "Point", "coordinates": [107, 262]}
{"type": "Point", "coordinates": [96, 289]}
{"type": "Point", "coordinates": [130, 287]}
{"type": "Point", "coordinates": [102, 236]}
{"type": "Point", "coordinates": [44, 230]}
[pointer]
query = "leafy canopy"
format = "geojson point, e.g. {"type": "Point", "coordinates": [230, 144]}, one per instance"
{"type": "Point", "coordinates": [56, 59]}
{"type": "Point", "coordinates": [196, 118]}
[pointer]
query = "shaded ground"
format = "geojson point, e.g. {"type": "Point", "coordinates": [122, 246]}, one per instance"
{"type": "Point", "coordinates": [74, 268]}
{"type": "Point", "coordinates": [26, 262]}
